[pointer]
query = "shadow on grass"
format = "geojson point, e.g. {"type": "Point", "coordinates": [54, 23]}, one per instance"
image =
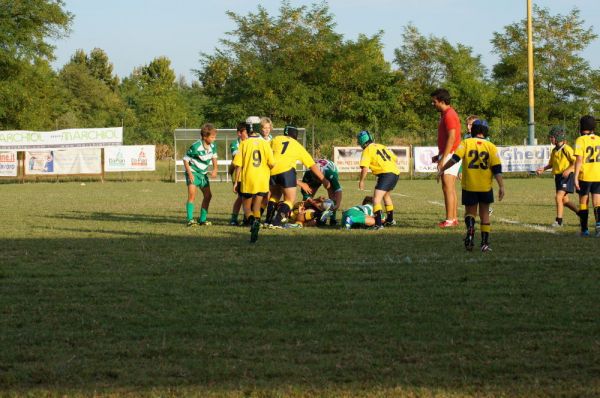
{"type": "Point", "coordinates": [318, 308]}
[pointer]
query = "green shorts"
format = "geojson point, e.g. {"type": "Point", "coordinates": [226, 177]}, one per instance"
{"type": "Point", "coordinates": [200, 180]}
{"type": "Point", "coordinates": [357, 216]}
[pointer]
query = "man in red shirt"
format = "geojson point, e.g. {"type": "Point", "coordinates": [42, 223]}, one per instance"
{"type": "Point", "coordinates": [448, 141]}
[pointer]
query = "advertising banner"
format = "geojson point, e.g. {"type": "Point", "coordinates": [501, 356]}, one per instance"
{"type": "Point", "coordinates": [524, 158]}
{"type": "Point", "coordinates": [8, 164]}
{"type": "Point", "coordinates": [22, 140]}
{"type": "Point", "coordinates": [423, 162]}
{"type": "Point", "coordinates": [347, 159]}
{"type": "Point", "coordinates": [520, 158]}
{"type": "Point", "coordinates": [64, 161]}
{"type": "Point", "coordinates": [130, 158]}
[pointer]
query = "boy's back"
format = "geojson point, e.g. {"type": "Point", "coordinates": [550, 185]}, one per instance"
{"type": "Point", "coordinates": [588, 147]}
{"type": "Point", "coordinates": [379, 159]}
{"type": "Point", "coordinates": [255, 158]}
{"type": "Point", "coordinates": [479, 156]}
{"type": "Point", "coordinates": [286, 152]}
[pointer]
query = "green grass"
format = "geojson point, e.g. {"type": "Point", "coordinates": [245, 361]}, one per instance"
{"type": "Point", "coordinates": [103, 290]}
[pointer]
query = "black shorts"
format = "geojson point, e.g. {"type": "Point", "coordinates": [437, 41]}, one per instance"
{"type": "Point", "coordinates": [471, 198]}
{"type": "Point", "coordinates": [564, 184]}
{"type": "Point", "coordinates": [386, 181]}
{"type": "Point", "coordinates": [251, 195]}
{"type": "Point", "coordinates": [287, 179]}
{"type": "Point", "coordinates": [587, 187]}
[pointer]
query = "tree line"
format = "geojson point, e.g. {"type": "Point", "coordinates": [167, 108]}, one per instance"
{"type": "Point", "coordinates": [295, 68]}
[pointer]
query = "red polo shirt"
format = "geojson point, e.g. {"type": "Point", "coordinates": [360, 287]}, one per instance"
{"type": "Point", "coordinates": [448, 121]}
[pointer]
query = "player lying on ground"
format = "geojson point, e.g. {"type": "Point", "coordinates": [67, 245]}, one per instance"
{"type": "Point", "coordinates": [310, 185]}
{"type": "Point", "coordinates": [359, 216]}
{"type": "Point", "coordinates": [310, 212]}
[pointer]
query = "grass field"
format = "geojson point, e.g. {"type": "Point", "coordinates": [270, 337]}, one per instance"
{"type": "Point", "coordinates": [105, 291]}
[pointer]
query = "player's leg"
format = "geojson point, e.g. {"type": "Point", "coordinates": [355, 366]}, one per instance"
{"type": "Point", "coordinates": [377, 207]}
{"type": "Point", "coordinates": [583, 212]}
{"type": "Point", "coordinates": [486, 228]}
{"type": "Point", "coordinates": [450, 199]}
{"type": "Point", "coordinates": [189, 204]}
{"type": "Point", "coordinates": [205, 203]}
{"type": "Point", "coordinates": [389, 210]}
{"type": "Point", "coordinates": [568, 204]}
{"type": "Point", "coordinates": [254, 219]}
{"type": "Point", "coordinates": [284, 207]}
{"type": "Point", "coordinates": [470, 212]}
{"type": "Point", "coordinates": [596, 203]}
{"type": "Point", "coordinates": [274, 197]}
{"type": "Point", "coordinates": [235, 210]}
{"type": "Point", "coordinates": [559, 199]}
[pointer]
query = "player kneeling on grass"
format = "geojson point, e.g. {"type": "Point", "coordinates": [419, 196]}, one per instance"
{"type": "Point", "coordinates": [287, 151]}
{"type": "Point", "coordinates": [310, 184]}
{"type": "Point", "coordinates": [253, 162]}
{"type": "Point", "coordinates": [482, 163]}
{"type": "Point", "coordinates": [359, 216]}
{"type": "Point", "coordinates": [196, 161]}
{"type": "Point", "coordinates": [562, 163]}
{"type": "Point", "coordinates": [382, 163]}
{"type": "Point", "coordinates": [587, 172]}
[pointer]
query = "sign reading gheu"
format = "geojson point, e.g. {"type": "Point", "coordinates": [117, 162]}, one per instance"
{"type": "Point", "coordinates": [21, 140]}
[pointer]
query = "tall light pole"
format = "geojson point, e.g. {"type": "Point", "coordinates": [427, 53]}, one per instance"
{"type": "Point", "coordinates": [531, 123]}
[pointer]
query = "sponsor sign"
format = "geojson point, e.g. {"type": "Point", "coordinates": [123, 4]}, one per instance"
{"type": "Point", "coordinates": [347, 159]}
{"type": "Point", "coordinates": [130, 158]}
{"type": "Point", "coordinates": [22, 140]}
{"type": "Point", "coordinates": [519, 158]}
{"type": "Point", "coordinates": [64, 161]}
{"type": "Point", "coordinates": [8, 164]}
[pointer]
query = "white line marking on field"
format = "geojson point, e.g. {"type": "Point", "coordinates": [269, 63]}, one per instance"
{"type": "Point", "coordinates": [400, 194]}
{"type": "Point", "coordinates": [508, 221]}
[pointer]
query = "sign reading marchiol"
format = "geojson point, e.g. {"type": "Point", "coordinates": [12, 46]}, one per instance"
{"type": "Point", "coordinates": [21, 140]}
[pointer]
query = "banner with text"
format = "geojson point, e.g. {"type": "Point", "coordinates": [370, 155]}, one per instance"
{"type": "Point", "coordinates": [520, 158]}
{"type": "Point", "coordinates": [347, 159]}
{"type": "Point", "coordinates": [8, 164]}
{"type": "Point", "coordinates": [72, 138]}
{"type": "Point", "coordinates": [64, 161]}
{"type": "Point", "coordinates": [130, 158]}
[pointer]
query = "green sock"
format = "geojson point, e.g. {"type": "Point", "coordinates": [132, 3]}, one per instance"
{"type": "Point", "coordinates": [189, 207]}
{"type": "Point", "coordinates": [203, 214]}
{"type": "Point", "coordinates": [234, 217]}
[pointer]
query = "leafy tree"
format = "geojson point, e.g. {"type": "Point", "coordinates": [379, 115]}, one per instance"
{"type": "Point", "coordinates": [562, 76]}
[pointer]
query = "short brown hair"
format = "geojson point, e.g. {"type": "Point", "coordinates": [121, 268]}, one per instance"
{"type": "Point", "coordinates": [368, 200]}
{"type": "Point", "coordinates": [207, 129]}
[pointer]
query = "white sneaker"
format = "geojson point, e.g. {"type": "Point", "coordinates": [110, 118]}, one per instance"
{"type": "Point", "coordinates": [555, 224]}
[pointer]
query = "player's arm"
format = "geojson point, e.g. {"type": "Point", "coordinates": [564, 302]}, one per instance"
{"type": "Point", "coordinates": [540, 170]}
{"type": "Point", "coordinates": [236, 178]}
{"type": "Point", "coordinates": [451, 162]}
{"type": "Point", "coordinates": [188, 170]}
{"type": "Point", "coordinates": [578, 163]}
{"type": "Point", "coordinates": [215, 168]}
{"type": "Point", "coordinates": [497, 171]}
{"type": "Point", "coordinates": [363, 174]}
{"type": "Point", "coordinates": [304, 186]}
{"type": "Point", "coordinates": [337, 198]}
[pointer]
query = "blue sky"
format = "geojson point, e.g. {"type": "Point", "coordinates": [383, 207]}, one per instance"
{"type": "Point", "coordinates": [133, 32]}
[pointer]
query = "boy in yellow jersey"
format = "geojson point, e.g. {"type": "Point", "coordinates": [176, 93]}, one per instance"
{"type": "Point", "coordinates": [287, 151]}
{"type": "Point", "coordinates": [253, 162]}
{"type": "Point", "coordinates": [382, 163]}
{"type": "Point", "coordinates": [562, 163]}
{"type": "Point", "coordinates": [482, 162]}
{"type": "Point", "coordinates": [587, 172]}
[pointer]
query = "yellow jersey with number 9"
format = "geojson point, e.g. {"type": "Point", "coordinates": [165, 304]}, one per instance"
{"type": "Point", "coordinates": [255, 158]}
{"type": "Point", "coordinates": [478, 156]}
{"type": "Point", "coordinates": [379, 159]}
{"type": "Point", "coordinates": [588, 147]}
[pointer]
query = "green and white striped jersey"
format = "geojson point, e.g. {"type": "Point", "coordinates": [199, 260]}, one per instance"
{"type": "Point", "coordinates": [367, 209]}
{"type": "Point", "coordinates": [234, 147]}
{"type": "Point", "coordinates": [200, 157]}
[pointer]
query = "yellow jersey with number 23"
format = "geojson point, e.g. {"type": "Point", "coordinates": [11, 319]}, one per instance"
{"type": "Point", "coordinates": [479, 156]}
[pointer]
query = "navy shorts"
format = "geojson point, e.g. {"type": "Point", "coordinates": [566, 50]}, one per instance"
{"type": "Point", "coordinates": [565, 184]}
{"type": "Point", "coordinates": [587, 187]}
{"type": "Point", "coordinates": [386, 181]}
{"type": "Point", "coordinates": [251, 195]}
{"type": "Point", "coordinates": [471, 198]}
{"type": "Point", "coordinates": [287, 179]}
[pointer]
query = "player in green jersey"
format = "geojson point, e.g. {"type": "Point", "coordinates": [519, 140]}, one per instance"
{"type": "Point", "coordinates": [242, 134]}
{"type": "Point", "coordinates": [359, 216]}
{"type": "Point", "coordinates": [310, 184]}
{"type": "Point", "coordinates": [196, 161]}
